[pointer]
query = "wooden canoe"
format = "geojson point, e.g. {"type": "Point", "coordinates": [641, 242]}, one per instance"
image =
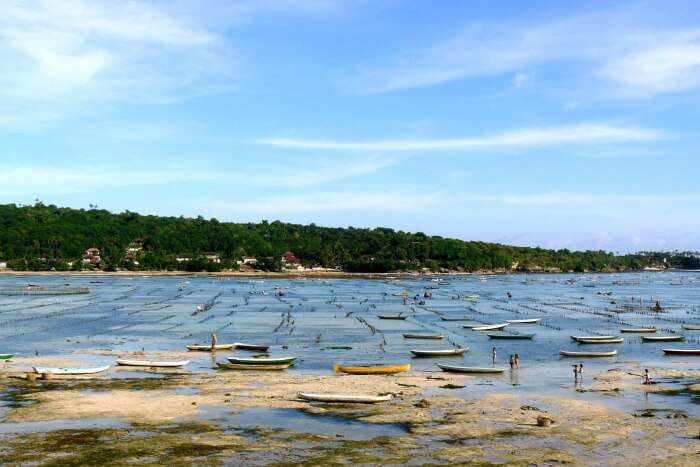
{"type": "Point", "coordinates": [244, 346]}
{"type": "Point", "coordinates": [372, 369]}
{"type": "Point", "coordinates": [490, 327]}
{"type": "Point", "coordinates": [682, 351]}
{"type": "Point", "coordinates": [662, 338]}
{"type": "Point", "coordinates": [424, 336]}
{"type": "Point", "coordinates": [343, 398]}
{"type": "Point", "coordinates": [569, 353]}
{"type": "Point", "coordinates": [524, 321]}
{"type": "Point", "coordinates": [262, 360]}
{"type": "Point", "coordinates": [617, 340]}
{"type": "Point", "coordinates": [470, 369]}
{"type": "Point", "coordinates": [638, 330]}
{"type": "Point", "coordinates": [209, 348]}
{"type": "Point", "coordinates": [247, 366]}
{"type": "Point", "coordinates": [510, 336]}
{"type": "Point", "coordinates": [6, 356]}
{"type": "Point", "coordinates": [691, 327]}
{"type": "Point", "coordinates": [153, 363]}
{"type": "Point", "coordinates": [400, 317]}
{"type": "Point", "coordinates": [69, 370]}
{"type": "Point", "coordinates": [576, 338]}
{"type": "Point", "coordinates": [438, 353]}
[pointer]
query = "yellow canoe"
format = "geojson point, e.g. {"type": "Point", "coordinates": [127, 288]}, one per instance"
{"type": "Point", "coordinates": [372, 370]}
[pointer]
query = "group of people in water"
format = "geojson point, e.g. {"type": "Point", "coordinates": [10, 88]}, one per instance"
{"type": "Point", "coordinates": [513, 359]}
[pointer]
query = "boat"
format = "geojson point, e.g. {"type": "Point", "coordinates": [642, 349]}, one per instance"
{"type": "Point", "coordinates": [401, 317]}
{"type": "Point", "coordinates": [248, 366]}
{"type": "Point", "coordinates": [209, 348]}
{"type": "Point", "coordinates": [439, 353]}
{"type": "Point", "coordinates": [691, 327]}
{"type": "Point", "coordinates": [662, 338]}
{"type": "Point", "coordinates": [69, 370]}
{"type": "Point", "coordinates": [682, 351]}
{"type": "Point", "coordinates": [343, 398]}
{"type": "Point", "coordinates": [590, 338]}
{"type": "Point", "coordinates": [153, 363]}
{"type": "Point", "coordinates": [424, 336]}
{"type": "Point", "coordinates": [638, 330]}
{"type": "Point", "coordinates": [524, 321]}
{"type": "Point", "coordinates": [372, 369]}
{"type": "Point", "coordinates": [262, 360]}
{"type": "Point", "coordinates": [456, 318]}
{"type": "Point", "coordinates": [6, 356]}
{"type": "Point", "coordinates": [490, 327]}
{"type": "Point", "coordinates": [244, 346]}
{"type": "Point", "coordinates": [615, 340]}
{"type": "Point", "coordinates": [569, 353]}
{"type": "Point", "coordinates": [510, 336]}
{"type": "Point", "coordinates": [472, 297]}
{"type": "Point", "coordinates": [469, 369]}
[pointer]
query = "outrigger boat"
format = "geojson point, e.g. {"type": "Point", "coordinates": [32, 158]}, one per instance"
{"type": "Point", "coordinates": [568, 353]}
{"type": "Point", "coordinates": [439, 353]}
{"type": "Point", "coordinates": [469, 369]}
{"type": "Point", "coordinates": [69, 370]}
{"type": "Point", "coordinates": [590, 338]}
{"type": "Point", "coordinates": [638, 330]}
{"type": "Point", "coordinates": [490, 327]}
{"type": "Point", "coordinates": [682, 351]}
{"type": "Point", "coordinates": [691, 327]}
{"type": "Point", "coordinates": [524, 321]}
{"type": "Point", "coordinates": [153, 363]}
{"type": "Point", "coordinates": [209, 348]}
{"type": "Point", "coordinates": [343, 398]}
{"type": "Point", "coordinates": [249, 366]}
{"type": "Point", "coordinates": [510, 336]}
{"type": "Point", "coordinates": [398, 317]}
{"type": "Point", "coordinates": [6, 356]}
{"type": "Point", "coordinates": [456, 318]}
{"type": "Point", "coordinates": [424, 336]}
{"type": "Point", "coordinates": [262, 360]}
{"type": "Point", "coordinates": [617, 340]}
{"type": "Point", "coordinates": [372, 369]}
{"type": "Point", "coordinates": [662, 338]}
{"type": "Point", "coordinates": [244, 346]}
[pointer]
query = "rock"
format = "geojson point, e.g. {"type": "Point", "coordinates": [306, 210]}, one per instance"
{"type": "Point", "coordinates": [544, 421]}
{"type": "Point", "coordinates": [452, 386]}
{"type": "Point", "coordinates": [422, 404]}
{"type": "Point", "coordinates": [676, 415]}
{"type": "Point", "coordinates": [529, 407]}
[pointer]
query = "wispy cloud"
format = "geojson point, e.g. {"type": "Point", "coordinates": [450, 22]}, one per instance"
{"type": "Point", "coordinates": [589, 199]}
{"type": "Point", "coordinates": [552, 136]}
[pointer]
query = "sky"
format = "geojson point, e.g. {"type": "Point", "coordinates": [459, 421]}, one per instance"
{"type": "Point", "coordinates": [538, 123]}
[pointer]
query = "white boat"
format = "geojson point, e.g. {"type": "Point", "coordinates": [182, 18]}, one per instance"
{"type": "Point", "coordinates": [343, 398]}
{"type": "Point", "coordinates": [568, 353]}
{"type": "Point", "coordinates": [638, 330]}
{"type": "Point", "coordinates": [469, 369]}
{"type": "Point", "coordinates": [153, 363]}
{"type": "Point", "coordinates": [691, 327]}
{"type": "Point", "coordinates": [682, 351]}
{"type": "Point", "coordinates": [70, 370]}
{"type": "Point", "coordinates": [524, 321]}
{"type": "Point", "coordinates": [438, 353]}
{"type": "Point", "coordinates": [261, 361]}
{"type": "Point", "coordinates": [490, 327]}
{"type": "Point", "coordinates": [662, 338]}
{"type": "Point", "coordinates": [209, 348]}
{"type": "Point", "coordinates": [424, 336]}
{"type": "Point", "coordinates": [590, 338]}
{"type": "Point", "coordinates": [617, 340]}
{"type": "Point", "coordinates": [456, 318]}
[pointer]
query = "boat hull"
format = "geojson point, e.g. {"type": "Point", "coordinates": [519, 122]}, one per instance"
{"type": "Point", "coordinates": [511, 336]}
{"type": "Point", "coordinates": [343, 398]}
{"type": "Point", "coordinates": [619, 340]}
{"type": "Point", "coordinates": [470, 369]}
{"type": "Point", "coordinates": [238, 366]}
{"type": "Point", "coordinates": [153, 363]}
{"type": "Point", "coordinates": [424, 336]}
{"type": "Point", "coordinates": [262, 361]}
{"type": "Point", "coordinates": [70, 371]}
{"type": "Point", "coordinates": [681, 351]}
{"type": "Point", "coordinates": [638, 330]}
{"type": "Point", "coordinates": [566, 353]}
{"type": "Point", "coordinates": [438, 353]}
{"type": "Point", "coordinates": [6, 356]}
{"type": "Point", "coordinates": [662, 338]}
{"type": "Point", "coordinates": [209, 348]}
{"type": "Point", "coordinates": [372, 370]}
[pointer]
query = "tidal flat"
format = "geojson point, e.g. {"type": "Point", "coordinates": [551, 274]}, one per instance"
{"type": "Point", "coordinates": [201, 414]}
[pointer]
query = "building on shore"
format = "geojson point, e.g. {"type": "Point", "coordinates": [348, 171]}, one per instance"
{"type": "Point", "coordinates": [92, 256]}
{"type": "Point", "coordinates": [212, 257]}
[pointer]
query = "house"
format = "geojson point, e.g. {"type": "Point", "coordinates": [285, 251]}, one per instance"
{"type": "Point", "coordinates": [3, 264]}
{"type": "Point", "coordinates": [130, 258]}
{"type": "Point", "coordinates": [212, 257]}
{"type": "Point", "coordinates": [181, 259]}
{"type": "Point", "coordinates": [249, 260]}
{"type": "Point", "coordinates": [91, 256]}
{"type": "Point", "coordinates": [135, 246]}
{"type": "Point", "coordinates": [289, 258]}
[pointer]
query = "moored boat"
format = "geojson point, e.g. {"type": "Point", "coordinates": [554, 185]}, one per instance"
{"type": "Point", "coordinates": [570, 353]}
{"type": "Point", "coordinates": [490, 327]}
{"type": "Point", "coordinates": [209, 348]}
{"type": "Point", "coordinates": [6, 356]}
{"type": "Point", "coordinates": [456, 318]}
{"type": "Point", "coordinates": [153, 363]}
{"type": "Point", "coordinates": [510, 336]}
{"type": "Point", "coordinates": [681, 351]}
{"type": "Point", "coordinates": [262, 360]}
{"type": "Point", "coordinates": [248, 366]}
{"type": "Point", "coordinates": [616, 340]}
{"type": "Point", "coordinates": [371, 369]}
{"type": "Point", "coordinates": [343, 398]}
{"type": "Point", "coordinates": [469, 369]}
{"type": "Point", "coordinates": [524, 321]}
{"type": "Point", "coordinates": [398, 317]}
{"type": "Point", "coordinates": [424, 336]}
{"type": "Point", "coordinates": [691, 327]}
{"type": "Point", "coordinates": [576, 338]}
{"type": "Point", "coordinates": [438, 353]}
{"type": "Point", "coordinates": [244, 346]}
{"type": "Point", "coordinates": [70, 370]}
{"type": "Point", "coordinates": [662, 338]}
{"type": "Point", "coordinates": [638, 330]}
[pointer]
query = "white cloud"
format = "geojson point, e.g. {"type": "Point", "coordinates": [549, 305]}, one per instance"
{"type": "Point", "coordinates": [552, 136]}
{"type": "Point", "coordinates": [520, 79]}
{"type": "Point", "coordinates": [588, 199]}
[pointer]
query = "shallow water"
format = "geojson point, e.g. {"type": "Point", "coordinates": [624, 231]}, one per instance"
{"type": "Point", "coordinates": [156, 314]}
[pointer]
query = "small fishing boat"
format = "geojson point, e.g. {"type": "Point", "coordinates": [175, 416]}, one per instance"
{"type": "Point", "coordinates": [400, 317]}
{"type": "Point", "coordinates": [569, 353]}
{"type": "Point", "coordinates": [490, 327]}
{"type": "Point", "coordinates": [615, 340]}
{"type": "Point", "coordinates": [439, 353]}
{"type": "Point", "coordinates": [638, 330]}
{"type": "Point", "coordinates": [524, 321]}
{"type": "Point", "coordinates": [343, 398]}
{"type": "Point", "coordinates": [469, 369]}
{"type": "Point", "coordinates": [456, 318]}
{"type": "Point", "coordinates": [69, 370]}
{"type": "Point", "coordinates": [372, 369]}
{"type": "Point", "coordinates": [682, 351]}
{"type": "Point", "coordinates": [424, 336]}
{"type": "Point", "coordinates": [248, 366]}
{"type": "Point", "coordinates": [153, 363]}
{"type": "Point", "coordinates": [510, 336]}
{"type": "Point", "coordinates": [662, 338]}
{"type": "Point", "coordinates": [590, 338]}
{"type": "Point", "coordinates": [262, 360]}
{"type": "Point", "coordinates": [209, 348]}
{"type": "Point", "coordinates": [6, 356]}
{"type": "Point", "coordinates": [339, 347]}
{"type": "Point", "coordinates": [472, 297]}
{"type": "Point", "coordinates": [244, 346]}
{"type": "Point", "coordinates": [691, 327]}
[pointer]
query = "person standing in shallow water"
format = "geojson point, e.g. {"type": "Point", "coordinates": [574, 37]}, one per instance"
{"type": "Point", "coordinates": [580, 372]}
{"type": "Point", "coordinates": [511, 360]}
{"type": "Point", "coordinates": [575, 367]}
{"type": "Point", "coordinates": [213, 340]}
{"type": "Point", "coordinates": [517, 360]}
{"type": "Point", "coordinates": [493, 355]}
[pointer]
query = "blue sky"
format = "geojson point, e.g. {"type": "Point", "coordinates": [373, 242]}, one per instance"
{"type": "Point", "coordinates": [530, 123]}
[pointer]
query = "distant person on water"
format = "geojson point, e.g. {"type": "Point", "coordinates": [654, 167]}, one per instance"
{"type": "Point", "coordinates": [511, 360]}
{"type": "Point", "coordinates": [575, 367]}
{"type": "Point", "coordinates": [213, 340]}
{"type": "Point", "coordinates": [493, 355]}
{"type": "Point", "coordinates": [517, 360]}
{"type": "Point", "coordinates": [647, 378]}
{"type": "Point", "coordinates": [580, 371]}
